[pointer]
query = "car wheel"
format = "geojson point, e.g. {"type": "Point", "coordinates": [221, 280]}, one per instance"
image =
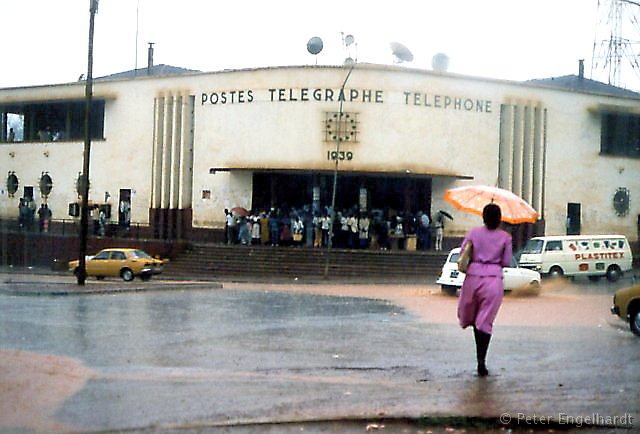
{"type": "Point", "coordinates": [634, 321]}
{"type": "Point", "coordinates": [145, 277]}
{"type": "Point", "coordinates": [594, 278]}
{"type": "Point", "coordinates": [127, 275]}
{"type": "Point", "coordinates": [613, 273]}
{"type": "Point", "coordinates": [100, 277]}
{"type": "Point", "coordinates": [449, 290]}
{"type": "Point", "coordinates": [555, 272]}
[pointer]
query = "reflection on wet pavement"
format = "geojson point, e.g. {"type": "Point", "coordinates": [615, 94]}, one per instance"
{"type": "Point", "coordinates": [179, 359]}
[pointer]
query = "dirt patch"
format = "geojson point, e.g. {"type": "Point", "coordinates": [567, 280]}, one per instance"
{"type": "Point", "coordinates": [33, 386]}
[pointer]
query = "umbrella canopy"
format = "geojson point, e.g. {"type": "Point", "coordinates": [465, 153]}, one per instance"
{"type": "Point", "coordinates": [446, 214]}
{"type": "Point", "coordinates": [239, 211]}
{"type": "Point", "coordinates": [474, 198]}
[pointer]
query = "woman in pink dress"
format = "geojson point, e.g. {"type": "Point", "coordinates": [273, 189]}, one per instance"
{"type": "Point", "coordinates": [482, 290]}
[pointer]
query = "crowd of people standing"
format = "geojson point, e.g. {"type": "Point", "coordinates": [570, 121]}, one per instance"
{"type": "Point", "coordinates": [27, 215]}
{"type": "Point", "coordinates": [350, 228]}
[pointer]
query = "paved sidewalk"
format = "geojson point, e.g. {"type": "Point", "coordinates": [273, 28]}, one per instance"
{"type": "Point", "coordinates": [40, 281]}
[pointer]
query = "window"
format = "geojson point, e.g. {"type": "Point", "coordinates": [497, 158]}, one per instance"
{"type": "Point", "coordinates": [620, 134]}
{"type": "Point", "coordinates": [51, 121]}
{"type": "Point", "coordinates": [118, 256]}
{"type": "Point", "coordinates": [15, 127]}
{"type": "Point", "coordinates": [553, 246]}
{"type": "Point", "coordinates": [140, 254]}
{"type": "Point", "coordinates": [101, 255]}
{"type": "Point", "coordinates": [533, 246]}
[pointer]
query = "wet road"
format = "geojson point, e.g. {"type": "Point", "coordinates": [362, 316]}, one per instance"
{"type": "Point", "coordinates": [189, 359]}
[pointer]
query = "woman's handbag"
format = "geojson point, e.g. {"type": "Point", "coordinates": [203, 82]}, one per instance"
{"type": "Point", "coordinates": [465, 257]}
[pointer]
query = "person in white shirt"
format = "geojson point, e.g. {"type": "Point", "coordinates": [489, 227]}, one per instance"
{"type": "Point", "coordinates": [297, 227]}
{"type": "Point", "coordinates": [230, 225]}
{"type": "Point", "coordinates": [325, 223]}
{"type": "Point", "coordinates": [255, 229]}
{"type": "Point", "coordinates": [352, 222]}
{"type": "Point", "coordinates": [439, 225]}
{"type": "Point", "coordinates": [363, 230]}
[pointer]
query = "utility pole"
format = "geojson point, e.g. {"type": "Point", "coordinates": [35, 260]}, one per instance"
{"type": "Point", "coordinates": [84, 178]}
{"type": "Point", "coordinates": [332, 212]}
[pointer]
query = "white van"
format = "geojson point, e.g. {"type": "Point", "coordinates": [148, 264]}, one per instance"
{"type": "Point", "coordinates": [578, 255]}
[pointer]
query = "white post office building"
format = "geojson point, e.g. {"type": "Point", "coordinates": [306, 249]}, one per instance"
{"type": "Point", "coordinates": [180, 146]}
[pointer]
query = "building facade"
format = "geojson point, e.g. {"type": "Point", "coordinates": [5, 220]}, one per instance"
{"type": "Point", "coordinates": [176, 150]}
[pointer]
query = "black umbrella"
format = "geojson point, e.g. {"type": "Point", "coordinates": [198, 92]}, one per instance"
{"type": "Point", "coordinates": [446, 214]}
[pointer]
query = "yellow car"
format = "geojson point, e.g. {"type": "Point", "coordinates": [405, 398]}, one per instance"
{"type": "Point", "coordinates": [626, 304]}
{"type": "Point", "coordinates": [125, 263]}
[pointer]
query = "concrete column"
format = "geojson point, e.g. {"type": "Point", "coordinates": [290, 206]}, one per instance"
{"type": "Point", "coordinates": [176, 148]}
{"type": "Point", "coordinates": [518, 139]}
{"type": "Point", "coordinates": [3, 127]}
{"type": "Point", "coordinates": [167, 133]}
{"type": "Point", "coordinates": [30, 130]}
{"type": "Point", "coordinates": [538, 158]}
{"type": "Point", "coordinates": [527, 153]}
{"type": "Point", "coordinates": [158, 137]}
{"type": "Point", "coordinates": [505, 150]}
{"type": "Point", "coordinates": [186, 153]}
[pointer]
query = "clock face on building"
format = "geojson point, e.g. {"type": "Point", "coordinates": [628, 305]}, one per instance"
{"type": "Point", "coordinates": [621, 201]}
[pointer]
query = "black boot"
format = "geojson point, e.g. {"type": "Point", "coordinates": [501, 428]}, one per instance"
{"type": "Point", "coordinates": [482, 345]}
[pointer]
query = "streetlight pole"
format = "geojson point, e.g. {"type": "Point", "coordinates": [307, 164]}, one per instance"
{"type": "Point", "coordinates": [332, 212]}
{"type": "Point", "coordinates": [84, 178]}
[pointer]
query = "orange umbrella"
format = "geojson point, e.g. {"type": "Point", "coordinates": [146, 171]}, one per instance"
{"type": "Point", "coordinates": [474, 198]}
{"type": "Point", "coordinates": [239, 211]}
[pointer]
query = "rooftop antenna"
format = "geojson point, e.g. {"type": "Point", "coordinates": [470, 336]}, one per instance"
{"type": "Point", "coordinates": [348, 41]}
{"type": "Point", "coordinates": [135, 64]}
{"type": "Point", "coordinates": [314, 46]}
{"type": "Point", "coordinates": [401, 53]}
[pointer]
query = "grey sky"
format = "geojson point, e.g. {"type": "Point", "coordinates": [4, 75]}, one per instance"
{"type": "Point", "coordinates": [46, 41]}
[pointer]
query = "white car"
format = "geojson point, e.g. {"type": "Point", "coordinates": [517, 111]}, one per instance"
{"type": "Point", "coordinates": [513, 277]}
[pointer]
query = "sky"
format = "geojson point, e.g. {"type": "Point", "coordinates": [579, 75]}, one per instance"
{"type": "Point", "coordinates": [46, 41]}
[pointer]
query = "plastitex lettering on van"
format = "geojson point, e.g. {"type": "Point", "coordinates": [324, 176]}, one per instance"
{"type": "Point", "coordinates": [593, 256]}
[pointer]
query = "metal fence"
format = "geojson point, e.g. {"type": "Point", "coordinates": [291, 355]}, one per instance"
{"type": "Point", "coordinates": [32, 245]}
{"type": "Point", "coordinates": [71, 227]}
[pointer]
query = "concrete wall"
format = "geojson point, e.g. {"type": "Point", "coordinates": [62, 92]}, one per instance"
{"type": "Point", "coordinates": [412, 121]}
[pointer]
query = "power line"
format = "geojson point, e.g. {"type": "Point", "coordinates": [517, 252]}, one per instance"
{"type": "Point", "coordinates": [614, 55]}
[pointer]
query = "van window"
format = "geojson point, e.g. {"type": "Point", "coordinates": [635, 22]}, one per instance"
{"type": "Point", "coordinates": [533, 246]}
{"type": "Point", "coordinates": [553, 246]}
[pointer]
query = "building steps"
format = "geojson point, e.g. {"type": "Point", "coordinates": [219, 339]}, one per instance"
{"type": "Point", "coordinates": [269, 262]}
